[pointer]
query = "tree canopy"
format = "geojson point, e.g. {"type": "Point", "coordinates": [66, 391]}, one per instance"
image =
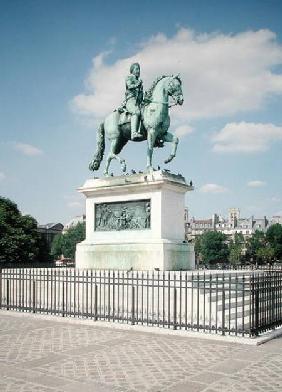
{"type": "Point", "coordinates": [274, 239]}
{"type": "Point", "coordinates": [65, 244]}
{"type": "Point", "coordinates": [213, 247]}
{"type": "Point", "coordinates": [19, 240]}
{"type": "Point", "coordinates": [236, 247]}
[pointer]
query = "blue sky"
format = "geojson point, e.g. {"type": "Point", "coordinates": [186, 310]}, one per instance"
{"type": "Point", "coordinates": [62, 60]}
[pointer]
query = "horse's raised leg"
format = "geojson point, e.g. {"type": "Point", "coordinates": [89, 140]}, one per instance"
{"type": "Point", "coordinates": [169, 137]}
{"type": "Point", "coordinates": [151, 137]}
{"type": "Point", "coordinates": [112, 155]}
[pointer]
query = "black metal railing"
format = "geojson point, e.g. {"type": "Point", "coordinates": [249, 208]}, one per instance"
{"type": "Point", "coordinates": [234, 302]}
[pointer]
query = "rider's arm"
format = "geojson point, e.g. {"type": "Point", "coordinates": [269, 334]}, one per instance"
{"type": "Point", "coordinates": [132, 82]}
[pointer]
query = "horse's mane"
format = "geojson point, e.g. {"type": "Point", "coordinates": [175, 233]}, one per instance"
{"type": "Point", "coordinates": [149, 92]}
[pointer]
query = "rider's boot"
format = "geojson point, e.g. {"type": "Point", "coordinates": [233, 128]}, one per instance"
{"type": "Point", "coordinates": [135, 135]}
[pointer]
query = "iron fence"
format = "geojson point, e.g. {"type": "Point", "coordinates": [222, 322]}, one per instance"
{"type": "Point", "coordinates": [235, 302]}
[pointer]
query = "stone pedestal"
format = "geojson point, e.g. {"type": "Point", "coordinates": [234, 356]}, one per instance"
{"type": "Point", "coordinates": [135, 221]}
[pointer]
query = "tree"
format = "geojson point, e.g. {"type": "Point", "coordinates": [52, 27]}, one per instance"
{"type": "Point", "coordinates": [197, 248]}
{"type": "Point", "coordinates": [236, 248]}
{"type": "Point", "coordinates": [19, 240]}
{"type": "Point", "coordinates": [65, 244]}
{"type": "Point", "coordinates": [274, 239]}
{"type": "Point", "coordinates": [266, 254]}
{"type": "Point", "coordinates": [256, 242]}
{"type": "Point", "coordinates": [214, 247]}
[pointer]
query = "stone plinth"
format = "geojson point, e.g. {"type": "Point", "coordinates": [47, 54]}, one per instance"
{"type": "Point", "coordinates": [135, 221]}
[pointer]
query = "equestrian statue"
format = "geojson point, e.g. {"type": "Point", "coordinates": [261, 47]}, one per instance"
{"type": "Point", "coordinates": [140, 117]}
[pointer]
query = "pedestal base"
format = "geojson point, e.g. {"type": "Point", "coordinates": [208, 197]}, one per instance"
{"type": "Point", "coordinates": [137, 222]}
{"type": "Point", "coordinates": [163, 255]}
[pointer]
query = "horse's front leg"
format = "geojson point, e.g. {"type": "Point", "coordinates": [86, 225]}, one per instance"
{"type": "Point", "coordinates": [169, 137]}
{"type": "Point", "coordinates": [150, 147]}
{"type": "Point", "coordinates": [112, 156]}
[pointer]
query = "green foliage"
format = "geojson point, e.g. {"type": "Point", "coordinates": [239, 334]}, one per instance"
{"type": "Point", "coordinates": [19, 240]}
{"type": "Point", "coordinates": [64, 244]}
{"type": "Point", "coordinates": [274, 239]}
{"type": "Point", "coordinates": [197, 248]}
{"type": "Point", "coordinates": [265, 254]}
{"type": "Point", "coordinates": [213, 247]}
{"type": "Point", "coordinates": [256, 242]}
{"type": "Point", "coordinates": [236, 247]}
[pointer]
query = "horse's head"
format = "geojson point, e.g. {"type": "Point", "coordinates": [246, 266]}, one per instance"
{"type": "Point", "coordinates": [175, 89]}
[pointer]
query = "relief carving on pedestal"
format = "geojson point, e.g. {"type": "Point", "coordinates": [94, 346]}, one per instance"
{"type": "Point", "coordinates": [127, 215]}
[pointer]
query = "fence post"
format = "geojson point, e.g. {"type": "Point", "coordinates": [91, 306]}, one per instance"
{"type": "Point", "coordinates": [33, 297]}
{"type": "Point", "coordinates": [8, 293]}
{"type": "Point", "coordinates": [63, 299]}
{"type": "Point", "coordinates": [0, 287]}
{"type": "Point", "coordinates": [96, 302]}
{"type": "Point", "coordinates": [133, 306]}
{"type": "Point", "coordinates": [256, 308]}
{"type": "Point", "coordinates": [223, 305]}
{"type": "Point", "coordinates": [273, 287]}
{"type": "Point", "coordinates": [175, 309]}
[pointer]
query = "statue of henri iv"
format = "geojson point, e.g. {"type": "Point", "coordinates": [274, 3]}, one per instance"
{"type": "Point", "coordinates": [140, 117]}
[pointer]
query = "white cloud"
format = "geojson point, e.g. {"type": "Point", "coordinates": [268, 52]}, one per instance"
{"type": "Point", "coordinates": [222, 74]}
{"type": "Point", "coordinates": [213, 188]}
{"type": "Point", "coordinates": [246, 137]}
{"type": "Point", "coordinates": [28, 149]}
{"type": "Point", "coordinates": [276, 199]}
{"type": "Point", "coordinates": [256, 184]}
{"type": "Point", "coordinates": [2, 176]}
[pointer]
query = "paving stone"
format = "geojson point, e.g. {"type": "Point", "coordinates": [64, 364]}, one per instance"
{"type": "Point", "coordinates": [53, 356]}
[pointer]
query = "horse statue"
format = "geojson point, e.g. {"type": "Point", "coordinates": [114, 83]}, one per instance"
{"type": "Point", "coordinates": [154, 126]}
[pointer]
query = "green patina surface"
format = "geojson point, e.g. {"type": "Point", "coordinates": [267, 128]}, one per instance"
{"type": "Point", "coordinates": [140, 117]}
{"type": "Point", "coordinates": [129, 215]}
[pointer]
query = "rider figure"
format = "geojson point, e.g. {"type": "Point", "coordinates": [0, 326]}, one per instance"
{"type": "Point", "coordinates": [133, 99]}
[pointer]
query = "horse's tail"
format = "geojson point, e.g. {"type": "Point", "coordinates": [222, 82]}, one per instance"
{"type": "Point", "coordinates": [100, 148]}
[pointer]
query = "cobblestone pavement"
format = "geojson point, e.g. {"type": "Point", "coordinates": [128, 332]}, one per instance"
{"type": "Point", "coordinates": [46, 355]}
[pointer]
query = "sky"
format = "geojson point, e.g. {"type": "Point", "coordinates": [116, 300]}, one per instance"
{"type": "Point", "coordinates": [62, 70]}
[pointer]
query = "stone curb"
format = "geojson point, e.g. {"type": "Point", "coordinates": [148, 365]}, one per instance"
{"type": "Point", "coordinates": [254, 341]}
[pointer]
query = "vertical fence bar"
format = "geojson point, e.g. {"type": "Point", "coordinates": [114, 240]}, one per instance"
{"type": "Point", "coordinates": [210, 302]}
{"type": "Point", "coordinates": [163, 300]}
{"type": "Point", "coordinates": [175, 308]}
{"type": "Point", "coordinates": [114, 299]}
{"type": "Point", "coordinates": [257, 304]}
{"type": "Point", "coordinates": [7, 294]}
{"type": "Point", "coordinates": [204, 310]}
{"type": "Point", "coordinates": [63, 296]}
{"type": "Point", "coordinates": [96, 303]}
{"type": "Point", "coordinates": [229, 302]}
{"type": "Point", "coordinates": [223, 305]}
{"type": "Point", "coordinates": [186, 306]}
{"type": "Point", "coordinates": [198, 302]}
{"type": "Point", "coordinates": [33, 296]}
{"type": "Point", "coordinates": [1, 285]}
{"type": "Point", "coordinates": [132, 305]}
{"type": "Point", "coordinates": [192, 301]}
{"type": "Point", "coordinates": [168, 300]}
{"type": "Point", "coordinates": [243, 304]}
{"type": "Point", "coordinates": [236, 304]}
{"type": "Point", "coordinates": [109, 296]}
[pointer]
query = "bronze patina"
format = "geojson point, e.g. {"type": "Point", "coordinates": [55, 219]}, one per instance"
{"type": "Point", "coordinates": [140, 118]}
